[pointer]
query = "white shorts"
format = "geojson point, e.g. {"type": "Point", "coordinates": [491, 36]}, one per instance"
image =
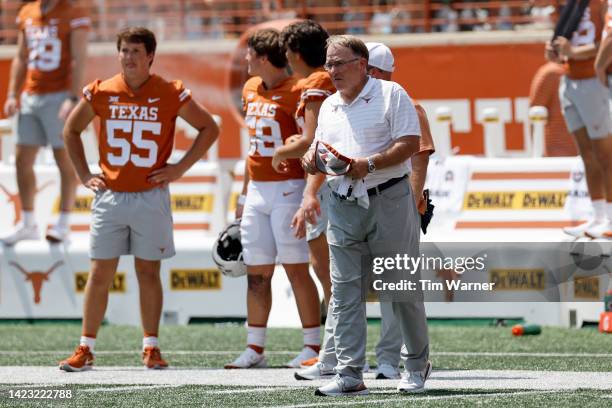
{"type": "Point", "coordinates": [265, 229]}
{"type": "Point", "coordinates": [38, 123]}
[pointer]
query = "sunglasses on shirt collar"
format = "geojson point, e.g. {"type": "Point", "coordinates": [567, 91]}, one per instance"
{"type": "Point", "coordinates": [329, 161]}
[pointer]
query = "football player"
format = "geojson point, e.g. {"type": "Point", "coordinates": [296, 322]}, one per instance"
{"type": "Point", "coordinates": [305, 42]}
{"type": "Point", "coordinates": [270, 199]}
{"type": "Point", "coordinates": [584, 101]}
{"type": "Point", "coordinates": [137, 112]}
{"type": "Point", "coordinates": [46, 77]}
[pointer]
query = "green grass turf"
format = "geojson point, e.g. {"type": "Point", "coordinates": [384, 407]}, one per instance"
{"type": "Point", "coordinates": [191, 396]}
{"type": "Point", "coordinates": [55, 341]}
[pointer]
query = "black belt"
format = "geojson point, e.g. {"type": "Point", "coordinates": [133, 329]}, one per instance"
{"type": "Point", "coordinates": [374, 190]}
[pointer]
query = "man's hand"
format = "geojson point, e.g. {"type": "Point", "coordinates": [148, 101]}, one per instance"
{"type": "Point", "coordinates": [65, 109]}
{"type": "Point", "coordinates": [563, 47]}
{"type": "Point", "coordinates": [238, 212]}
{"type": "Point", "coordinates": [550, 53]}
{"type": "Point", "coordinates": [279, 164]}
{"type": "Point", "coordinates": [308, 162]}
{"type": "Point", "coordinates": [298, 224]}
{"type": "Point", "coordinates": [94, 182]}
{"type": "Point", "coordinates": [165, 175]}
{"type": "Point", "coordinates": [359, 169]}
{"type": "Point", "coordinates": [11, 106]}
{"type": "Point", "coordinates": [312, 208]}
{"type": "Point", "coordinates": [602, 75]}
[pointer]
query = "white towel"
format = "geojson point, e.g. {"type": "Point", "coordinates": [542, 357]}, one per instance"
{"type": "Point", "coordinates": [359, 190]}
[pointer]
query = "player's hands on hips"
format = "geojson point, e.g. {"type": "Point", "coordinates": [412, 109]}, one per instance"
{"type": "Point", "coordinates": [11, 106]}
{"type": "Point", "coordinates": [94, 182]}
{"type": "Point", "coordinates": [279, 164]}
{"type": "Point", "coordinates": [308, 162]}
{"type": "Point", "coordinates": [65, 109]}
{"type": "Point", "coordinates": [167, 174]}
{"type": "Point", "coordinates": [602, 75]}
{"type": "Point", "coordinates": [298, 224]}
{"type": "Point", "coordinates": [359, 169]}
{"type": "Point", "coordinates": [312, 208]}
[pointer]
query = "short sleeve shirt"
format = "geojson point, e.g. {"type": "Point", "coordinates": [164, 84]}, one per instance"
{"type": "Point", "coordinates": [136, 128]}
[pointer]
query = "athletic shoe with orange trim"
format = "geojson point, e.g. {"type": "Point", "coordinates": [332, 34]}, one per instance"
{"type": "Point", "coordinates": [310, 362]}
{"type": "Point", "coordinates": [152, 359]}
{"type": "Point", "coordinates": [81, 360]}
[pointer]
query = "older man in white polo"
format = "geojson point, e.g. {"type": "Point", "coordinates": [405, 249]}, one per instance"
{"type": "Point", "coordinates": [372, 211]}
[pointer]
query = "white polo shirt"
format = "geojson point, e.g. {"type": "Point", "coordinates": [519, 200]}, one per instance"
{"type": "Point", "coordinates": [370, 124]}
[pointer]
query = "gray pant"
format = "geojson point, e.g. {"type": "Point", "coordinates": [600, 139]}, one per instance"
{"type": "Point", "coordinates": [390, 343]}
{"type": "Point", "coordinates": [389, 226]}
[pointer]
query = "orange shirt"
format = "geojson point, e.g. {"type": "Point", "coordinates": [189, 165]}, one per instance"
{"type": "Point", "coordinates": [269, 118]}
{"type": "Point", "coordinates": [588, 33]}
{"type": "Point", "coordinates": [314, 88]}
{"type": "Point", "coordinates": [47, 39]}
{"type": "Point", "coordinates": [426, 140]}
{"type": "Point", "coordinates": [136, 128]}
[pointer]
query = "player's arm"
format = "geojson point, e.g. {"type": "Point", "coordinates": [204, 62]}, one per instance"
{"type": "Point", "coordinates": [310, 202]}
{"type": "Point", "coordinates": [208, 131]}
{"type": "Point", "coordinates": [604, 59]}
{"type": "Point", "coordinates": [245, 186]}
{"type": "Point", "coordinates": [78, 120]}
{"type": "Point", "coordinates": [420, 160]}
{"type": "Point", "coordinates": [301, 144]}
{"type": "Point", "coordinates": [78, 52]}
{"type": "Point", "coordinates": [16, 76]}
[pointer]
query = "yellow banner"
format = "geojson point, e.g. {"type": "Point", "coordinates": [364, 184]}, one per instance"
{"type": "Point", "coordinates": [82, 204]}
{"type": "Point", "coordinates": [586, 287]}
{"type": "Point", "coordinates": [192, 202]}
{"type": "Point", "coordinates": [514, 200]}
{"type": "Point", "coordinates": [118, 286]}
{"type": "Point", "coordinates": [195, 279]}
{"type": "Point", "coordinates": [518, 279]}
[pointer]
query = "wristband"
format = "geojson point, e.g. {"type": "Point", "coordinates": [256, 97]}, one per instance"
{"type": "Point", "coordinates": [241, 199]}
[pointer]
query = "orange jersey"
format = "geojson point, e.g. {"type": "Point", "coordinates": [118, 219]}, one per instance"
{"type": "Point", "coordinates": [588, 33]}
{"type": "Point", "coordinates": [269, 118]}
{"type": "Point", "coordinates": [608, 27]}
{"type": "Point", "coordinates": [426, 143]}
{"type": "Point", "coordinates": [136, 128]}
{"type": "Point", "coordinates": [47, 39]}
{"type": "Point", "coordinates": [315, 88]}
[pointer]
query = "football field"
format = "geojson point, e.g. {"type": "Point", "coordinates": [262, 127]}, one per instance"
{"type": "Point", "coordinates": [473, 364]}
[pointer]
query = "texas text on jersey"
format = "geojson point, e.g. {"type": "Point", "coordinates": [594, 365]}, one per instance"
{"type": "Point", "coordinates": [48, 42]}
{"type": "Point", "coordinates": [136, 128]}
{"type": "Point", "coordinates": [269, 118]}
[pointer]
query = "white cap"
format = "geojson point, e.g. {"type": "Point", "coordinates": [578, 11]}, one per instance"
{"type": "Point", "coordinates": [380, 56]}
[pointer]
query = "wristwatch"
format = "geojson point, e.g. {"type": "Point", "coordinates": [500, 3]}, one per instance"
{"type": "Point", "coordinates": [371, 165]}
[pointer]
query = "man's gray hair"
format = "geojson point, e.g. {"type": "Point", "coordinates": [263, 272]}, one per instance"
{"type": "Point", "coordinates": [351, 42]}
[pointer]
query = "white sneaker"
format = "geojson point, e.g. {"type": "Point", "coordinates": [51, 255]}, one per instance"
{"type": "Point", "coordinates": [22, 232]}
{"type": "Point", "coordinates": [579, 230]}
{"type": "Point", "coordinates": [343, 386]}
{"type": "Point", "coordinates": [387, 372]}
{"type": "Point", "coordinates": [57, 234]}
{"type": "Point", "coordinates": [315, 372]}
{"type": "Point", "coordinates": [414, 381]}
{"type": "Point", "coordinates": [306, 354]}
{"type": "Point", "coordinates": [249, 359]}
{"type": "Point", "coordinates": [601, 231]}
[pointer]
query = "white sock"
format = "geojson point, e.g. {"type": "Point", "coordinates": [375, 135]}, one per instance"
{"type": "Point", "coordinates": [28, 218]}
{"type": "Point", "coordinates": [256, 336]}
{"type": "Point", "coordinates": [149, 341]}
{"type": "Point", "coordinates": [599, 209]}
{"type": "Point", "coordinates": [312, 336]}
{"type": "Point", "coordinates": [63, 221]}
{"type": "Point", "coordinates": [89, 342]}
{"type": "Point", "coordinates": [609, 211]}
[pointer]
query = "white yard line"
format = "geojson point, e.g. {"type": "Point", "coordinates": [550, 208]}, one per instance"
{"type": "Point", "coordinates": [289, 352]}
{"type": "Point", "coordinates": [494, 380]}
{"type": "Point", "coordinates": [130, 388]}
